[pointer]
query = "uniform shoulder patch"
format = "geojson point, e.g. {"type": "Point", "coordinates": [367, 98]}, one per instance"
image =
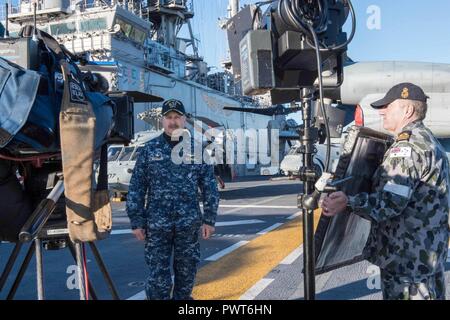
{"type": "Point", "coordinates": [404, 136]}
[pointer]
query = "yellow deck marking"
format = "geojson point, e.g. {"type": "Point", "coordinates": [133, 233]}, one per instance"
{"type": "Point", "coordinates": [231, 276]}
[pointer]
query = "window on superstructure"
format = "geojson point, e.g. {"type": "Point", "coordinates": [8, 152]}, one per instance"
{"type": "Point", "coordinates": [126, 154]}
{"type": "Point", "coordinates": [125, 28]}
{"type": "Point", "coordinates": [93, 24]}
{"type": "Point", "coordinates": [113, 153]}
{"type": "Point", "coordinates": [63, 28]}
{"type": "Point", "coordinates": [131, 32]}
{"type": "Point", "coordinates": [137, 35]}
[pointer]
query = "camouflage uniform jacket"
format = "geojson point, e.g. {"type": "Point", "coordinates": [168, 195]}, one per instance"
{"type": "Point", "coordinates": [409, 206]}
{"type": "Point", "coordinates": [163, 194]}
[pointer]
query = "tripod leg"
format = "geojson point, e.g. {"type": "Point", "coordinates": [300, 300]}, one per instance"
{"type": "Point", "coordinates": [74, 255]}
{"type": "Point", "coordinates": [308, 256]}
{"type": "Point", "coordinates": [22, 270]}
{"type": "Point", "coordinates": [104, 271]}
{"type": "Point", "coordinates": [39, 269]}
{"type": "Point", "coordinates": [9, 265]}
{"type": "Point", "coordinates": [80, 270]}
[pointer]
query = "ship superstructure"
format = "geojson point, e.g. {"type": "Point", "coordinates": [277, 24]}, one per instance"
{"type": "Point", "coordinates": [136, 46]}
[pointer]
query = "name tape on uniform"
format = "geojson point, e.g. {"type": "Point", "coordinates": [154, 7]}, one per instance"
{"type": "Point", "coordinates": [398, 189]}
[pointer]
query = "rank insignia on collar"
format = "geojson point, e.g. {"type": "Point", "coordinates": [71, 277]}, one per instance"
{"type": "Point", "coordinates": [404, 136]}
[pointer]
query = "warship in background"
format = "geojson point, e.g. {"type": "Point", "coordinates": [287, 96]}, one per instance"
{"type": "Point", "coordinates": [135, 45]}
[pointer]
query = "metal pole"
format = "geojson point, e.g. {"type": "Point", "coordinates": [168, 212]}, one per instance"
{"type": "Point", "coordinates": [22, 270]}
{"type": "Point", "coordinates": [35, 38]}
{"type": "Point", "coordinates": [6, 20]}
{"type": "Point", "coordinates": [41, 214]}
{"type": "Point", "coordinates": [308, 188]}
{"type": "Point", "coordinates": [9, 265]}
{"type": "Point", "coordinates": [104, 271]}
{"type": "Point", "coordinates": [80, 271]}
{"type": "Point", "coordinates": [39, 270]}
{"type": "Point", "coordinates": [74, 255]}
{"type": "Point", "coordinates": [191, 33]}
{"type": "Point", "coordinates": [234, 6]}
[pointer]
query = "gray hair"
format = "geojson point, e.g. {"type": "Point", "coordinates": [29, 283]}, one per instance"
{"type": "Point", "coordinates": [420, 107]}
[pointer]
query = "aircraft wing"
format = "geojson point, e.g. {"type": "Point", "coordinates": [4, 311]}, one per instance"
{"type": "Point", "coordinates": [138, 96]}
{"type": "Point", "coordinates": [262, 111]}
{"type": "Point", "coordinates": [210, 123]}
{"type": "Point", "coordinates": [279, 110]}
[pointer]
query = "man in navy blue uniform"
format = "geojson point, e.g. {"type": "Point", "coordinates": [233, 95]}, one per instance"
{"type": "Point", "coordinates": [164, 209]}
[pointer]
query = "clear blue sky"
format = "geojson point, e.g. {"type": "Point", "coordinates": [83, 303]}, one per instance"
{"type": "Point", "coordinates": [410, 30]}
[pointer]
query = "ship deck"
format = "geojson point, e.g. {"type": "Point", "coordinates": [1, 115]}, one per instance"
{"type": "Point", "coordinates": [255, 254]}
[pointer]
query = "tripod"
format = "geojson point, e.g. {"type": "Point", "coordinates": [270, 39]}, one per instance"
{"type": "Point", "coordinates": [53, 234]}
{"type": "Point", "coordinates": [53, 238]}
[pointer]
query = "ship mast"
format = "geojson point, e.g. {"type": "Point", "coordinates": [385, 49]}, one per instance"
{"type": "Point", "coordinates": [234, 7]}
{"type": "Point", "coordinates": [168, 16]}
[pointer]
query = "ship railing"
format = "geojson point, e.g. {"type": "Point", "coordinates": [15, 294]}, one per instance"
{"type": "Point", "coordinates": [27, 6]}
{"type": "Point", "coordinates": [188, 4]}
{"type": "Point", "coordinates": [181, 3]}
{"type": "Point", "coordinates": [88, 4]}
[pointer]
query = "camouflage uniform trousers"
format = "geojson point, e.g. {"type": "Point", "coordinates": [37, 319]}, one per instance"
{"type": "Point", "coordinates": [395, 287]}
{"type": "Point", "coordinates": [186, 255]}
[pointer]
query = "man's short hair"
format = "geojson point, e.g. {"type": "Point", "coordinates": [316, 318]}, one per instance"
{"type": "Point", "coordinates": [420, 107]}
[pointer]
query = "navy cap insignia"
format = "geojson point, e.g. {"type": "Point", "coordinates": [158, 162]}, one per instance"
{"type": "Point", "coordinates": [405, 93]}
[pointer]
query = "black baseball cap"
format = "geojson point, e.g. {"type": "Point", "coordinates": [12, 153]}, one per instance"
{"type": "Point", "coordinates": [405, 91]}
{"type": "Point", "coordinates": [173, 105]}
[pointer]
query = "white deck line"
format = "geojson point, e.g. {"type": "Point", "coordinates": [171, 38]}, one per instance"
{"type": "Point", "coordinates": [226, 251]}
{"type": "Point", "coordinates": [276, 225]}
{"type": "Point", "coordinates": [259, 287]}
{"type": "Point", "coordinates": [293, 255]}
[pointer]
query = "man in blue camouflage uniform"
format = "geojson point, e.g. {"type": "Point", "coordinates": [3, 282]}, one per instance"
{"type": "Point", "coordinates": [409, 206]}
{"type": "Point", "coordinates": [163, 208]}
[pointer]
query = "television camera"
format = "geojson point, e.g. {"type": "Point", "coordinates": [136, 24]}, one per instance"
{"type": "Point", "coordinates": [57, 117]}
{"type": "Point", "coordinates": [295, 51]}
